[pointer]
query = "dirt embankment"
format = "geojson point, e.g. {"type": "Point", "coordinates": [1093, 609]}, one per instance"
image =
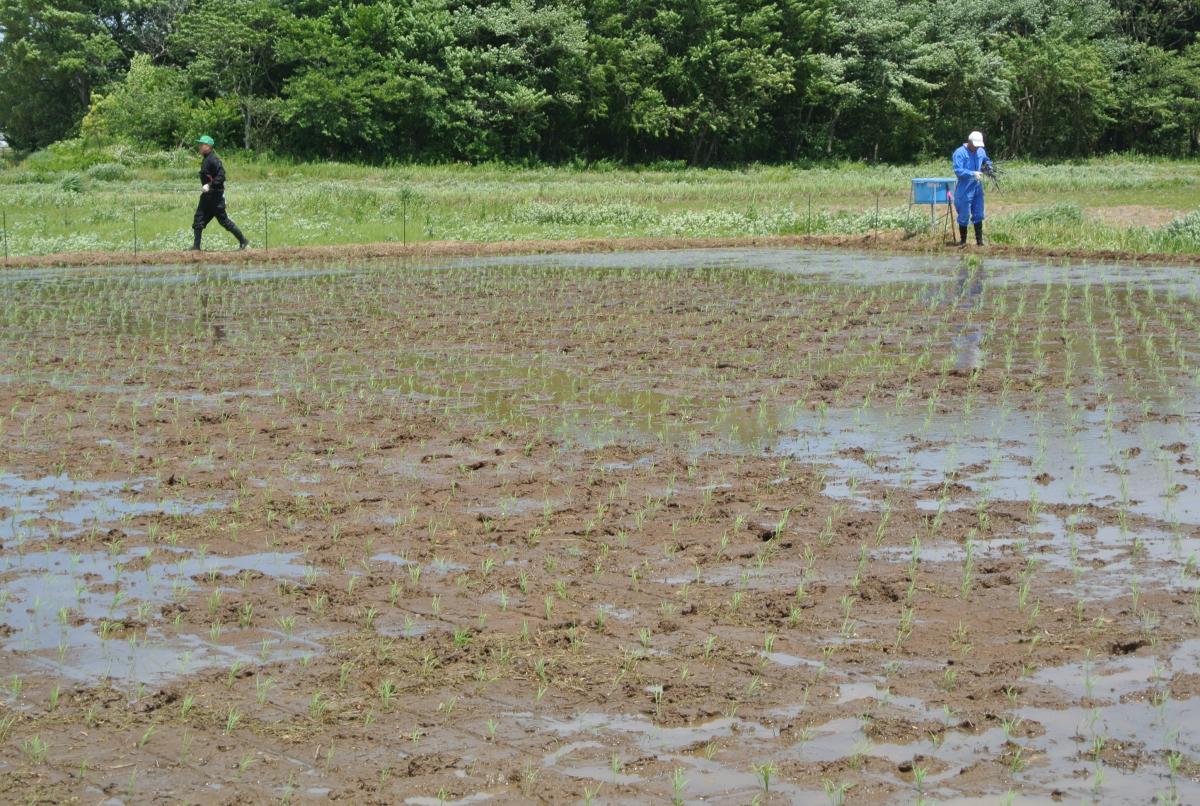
{"type": "Point", "coordinates": [891, 241]}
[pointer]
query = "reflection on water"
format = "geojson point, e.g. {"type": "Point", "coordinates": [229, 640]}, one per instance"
{"type": "Point", "coordinates": [1010, 455]}
{"type": "Point", "coordinates": [90, 616]}
{"type": "Point", "coordinates": [967, 342]}
{"type": "Point", "coordinates": [968, 347]}
{"type": "Point", "coordinates": [60, 505]}
{"type": "Point", "coordinates": [872, 268]}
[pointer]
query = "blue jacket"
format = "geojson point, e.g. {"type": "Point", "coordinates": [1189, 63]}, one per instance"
{"type": "Point", "coordinates": [966, 164]}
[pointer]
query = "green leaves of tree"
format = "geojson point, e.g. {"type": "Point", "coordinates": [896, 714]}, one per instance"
{"type": "Point", "coordinates": [52, 56]}
{"type": "Point", "coordinates": [547, 80]}
{"type": "Point", "coordinates": [227, 48]}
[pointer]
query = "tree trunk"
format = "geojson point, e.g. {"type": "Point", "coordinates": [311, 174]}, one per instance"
{"type": "Point", "coordinates": [247, 116]}
{"type": "Point", "coordinates": [829, 133]}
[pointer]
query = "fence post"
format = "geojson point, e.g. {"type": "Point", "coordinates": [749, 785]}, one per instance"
{"type": "Point", "coordinates": [266, 232]}
{"type": "Point", "coordinates": [4, 224]}
{"type": "Point", "coordinates": [404, 217]}
{"type": "Point", "coordinates": [135, 232]}
{"type": "Point", "coordinates": [809, 230]}
{"type": "Point", "coordinates": [875, 236]}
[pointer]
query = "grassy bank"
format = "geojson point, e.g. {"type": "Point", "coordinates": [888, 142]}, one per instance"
{"type": "Point", "coordinates": [70, 199]}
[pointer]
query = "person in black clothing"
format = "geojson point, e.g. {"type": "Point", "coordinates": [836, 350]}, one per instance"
{"type": "Point", "coordinates": [212, 196]}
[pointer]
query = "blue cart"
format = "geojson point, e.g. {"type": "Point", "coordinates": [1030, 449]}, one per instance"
{"type": "Point", "coordinates": [933, 191]}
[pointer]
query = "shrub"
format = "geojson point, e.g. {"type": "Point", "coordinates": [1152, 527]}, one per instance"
{"type": "Point", "coordinates": [1184, 229]}
{"type": "Point", "coordinates": [65, 155]}
{"type": "Point", "coordinates": [147, 106]}
{"type": "Point", "coordinates": [889, 218]}
{"type": "Point", "coordinates": [72, 183]}
{"type": "Point", "coordinates": [109, 172]}
{"type": "Point", "coordinates": [27, 178]}
{"type": "Point", "coordinates": [1058, 213]}
{"type": "Point", "coordinates": [583, 214]}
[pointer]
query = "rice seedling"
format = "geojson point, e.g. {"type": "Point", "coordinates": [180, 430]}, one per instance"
{"type": "Point", "coordinates": [35, 749]}
{"type": "Point", "coordinates": [835, 791]}
{"type": "Point", "coordinates": [678, 784]}
{"type": "Point", "coordinates": [591, 501]}
{"type": "Point", "coordinates": [764, 772]}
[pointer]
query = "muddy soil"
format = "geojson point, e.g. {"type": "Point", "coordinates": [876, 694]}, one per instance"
{"type": "Point", "coordinates": [397, 533]}
{"type": "Point", "coordinates": [884, 240]}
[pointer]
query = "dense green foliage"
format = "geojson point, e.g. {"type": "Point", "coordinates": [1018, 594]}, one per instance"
{"type": "Point", "coordinates": [700, 81]}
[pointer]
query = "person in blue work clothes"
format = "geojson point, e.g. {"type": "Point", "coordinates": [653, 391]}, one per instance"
{"type": "Point", "coordinates": [970, 161]}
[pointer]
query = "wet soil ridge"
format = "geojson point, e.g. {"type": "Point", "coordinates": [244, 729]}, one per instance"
{"type": "Point", "coordinates": [714, 526]}
{"type": "Point", "coordinates": [886, 240]}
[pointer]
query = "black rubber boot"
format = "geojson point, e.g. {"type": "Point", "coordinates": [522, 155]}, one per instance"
{"type": "Point", "coordinates": [196, 240]}
{"type": "Point", "coordinates": [978, 233]}
{"type": "Point", "coordinates": [962, 235]}
{"type": "Point", "coordinates": [237, 233]}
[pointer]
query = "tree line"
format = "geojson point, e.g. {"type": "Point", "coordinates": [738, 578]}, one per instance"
{"type": "Point", "coordinates": [698, 81]}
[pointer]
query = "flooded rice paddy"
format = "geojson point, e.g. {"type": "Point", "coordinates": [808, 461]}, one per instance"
{"type": "Point", "coordinates": [722, 526]}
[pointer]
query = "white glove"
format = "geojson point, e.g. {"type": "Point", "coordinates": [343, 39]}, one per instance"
{"type": "Point", "coordinates": [205, 188]}
{"type": "Point", "coordinates": [978, 176]}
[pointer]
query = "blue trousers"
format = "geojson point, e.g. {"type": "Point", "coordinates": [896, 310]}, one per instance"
{"type": "Point", "coordinates": [968, 200]}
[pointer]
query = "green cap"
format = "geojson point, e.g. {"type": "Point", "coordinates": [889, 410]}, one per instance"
{"type": "Point", "coordinates": [204, 138]}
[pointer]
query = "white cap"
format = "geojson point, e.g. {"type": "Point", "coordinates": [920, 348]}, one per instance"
{"type": "Point", "coordinates": [975, 139]}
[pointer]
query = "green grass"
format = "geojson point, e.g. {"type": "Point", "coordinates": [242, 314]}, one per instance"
{"type": "Point", "coordinates": [72, 198]}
